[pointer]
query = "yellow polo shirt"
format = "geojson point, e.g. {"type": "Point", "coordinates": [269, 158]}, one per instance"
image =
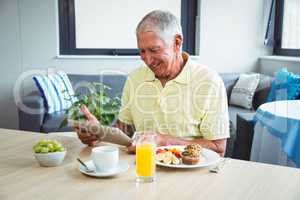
{"type": "Point", "coordinates": [194, 104]}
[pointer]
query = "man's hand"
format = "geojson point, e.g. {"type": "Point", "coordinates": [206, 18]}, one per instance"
{"type": "Point", "coordinates": [89, 116]}
{"type": "Point", "coordinates": [131, 149]}
{"type": "Point", "coordinates": [83, 133]}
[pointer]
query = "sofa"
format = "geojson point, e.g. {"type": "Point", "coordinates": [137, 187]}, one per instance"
{"type": "Point", "coordinates": [241, 119]}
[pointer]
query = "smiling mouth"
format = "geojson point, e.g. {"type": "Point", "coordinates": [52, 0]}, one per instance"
{"type": "Point", "coordinates": [155, 65]}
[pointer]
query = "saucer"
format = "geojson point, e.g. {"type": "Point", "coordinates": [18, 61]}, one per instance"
{"type": "Point", "coordinates": [121, 167]}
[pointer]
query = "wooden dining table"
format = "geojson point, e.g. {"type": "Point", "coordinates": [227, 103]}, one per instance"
{"type": "Point", "coordinates": [21, 177]}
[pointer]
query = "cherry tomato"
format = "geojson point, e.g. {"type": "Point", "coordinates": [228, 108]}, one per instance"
{"type": "Point", "coordinates": [160, 151]}
{"type": "Point", "coordinates": [178, 154]}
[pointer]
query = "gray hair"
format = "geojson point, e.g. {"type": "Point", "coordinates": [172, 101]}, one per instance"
{"type": "Point", "coordinates": [163, 23]}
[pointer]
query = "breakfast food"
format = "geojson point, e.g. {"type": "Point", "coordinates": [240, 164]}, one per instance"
{"type": "Point", "coordinates": [191, 154]}
{"type": "Point", "coordinates": [169, 156]}
{"type": "Point", "coordinates": [48, 146]}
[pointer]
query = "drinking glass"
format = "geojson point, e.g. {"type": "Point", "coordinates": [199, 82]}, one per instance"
{"type": "Point", "coordinates": [145, 157]}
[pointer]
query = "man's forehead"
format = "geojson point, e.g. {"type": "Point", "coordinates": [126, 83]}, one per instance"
{"type": "Point", "coordinates": [149, 46]}
{"type": "Point", "coordinates": [150, 34]}
{"type": "Point", "coordinates": [149, 37]}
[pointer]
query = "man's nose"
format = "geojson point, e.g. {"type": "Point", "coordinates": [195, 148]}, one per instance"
{"type": "Point", "coordinates": [147, 58]}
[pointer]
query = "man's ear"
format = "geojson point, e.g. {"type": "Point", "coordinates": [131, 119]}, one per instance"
{"type": "Point", "coordinates": [178, 41]}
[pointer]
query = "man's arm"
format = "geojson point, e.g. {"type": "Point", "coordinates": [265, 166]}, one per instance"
{"type": "Point", "coordinates": [218, 145]}
{"type": "Point", "coordinates": [126, 128]}
{"type": "Point", "coordinates": [90, 139]}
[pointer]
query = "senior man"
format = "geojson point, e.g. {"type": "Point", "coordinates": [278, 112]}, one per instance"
{"type": "Point", "coordinates": [181, 101]}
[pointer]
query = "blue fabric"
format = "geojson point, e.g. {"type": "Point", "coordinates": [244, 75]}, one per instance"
{"type": "Point", "coordinates": [287, 130]}
{"type": "Point", "coordinates": [286, 86]}
{"type": "Point", "coordinates": [56, 91]}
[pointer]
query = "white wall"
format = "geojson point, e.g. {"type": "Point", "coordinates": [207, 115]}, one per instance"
{"type": "Point", "coordinates": [230, 42]}
{"type": "Point", "coordinates": [269, 65]}
{"type": "Point", "coordinates": [10, 61]}
{"type": "Point", "coordinates": [231, 34]}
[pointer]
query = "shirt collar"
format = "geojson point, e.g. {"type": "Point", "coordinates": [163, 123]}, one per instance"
{"type": "Point", "coordinates": [182, 77]}
{"type": "Point", "coordinates": [149, 75]}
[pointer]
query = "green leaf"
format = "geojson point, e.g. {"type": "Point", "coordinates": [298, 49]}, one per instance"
{"type": "Point", "coordinates": [104, 108]}
{"type": "Point", "coordinates": [64, 123]}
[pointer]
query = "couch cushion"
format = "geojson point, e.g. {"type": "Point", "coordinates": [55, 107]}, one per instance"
{"type": "Point", "coordinates": [56, 91]}
{"type": "Point", "coordinates": [229, 80]}
{"type": "Point", "coordinates": [230, 141]}
{"type": "Point", "coordinates": [243, 91]}
{"type": "Point", "coordinates": [262, 90]}
{"type": "Point", "coordinates": [52, 122]}
{"type": "Point", "coordinates": [233, 111]}
{"type": "Point", "coordinates": [244, 136]}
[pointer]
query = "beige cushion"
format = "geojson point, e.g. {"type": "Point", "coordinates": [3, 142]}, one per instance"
{"type": "Point", "coordinates": [243, 91]}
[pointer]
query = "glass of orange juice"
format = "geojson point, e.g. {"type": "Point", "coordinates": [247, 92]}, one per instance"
{"type": "Point", "coordinates": [145, 157]}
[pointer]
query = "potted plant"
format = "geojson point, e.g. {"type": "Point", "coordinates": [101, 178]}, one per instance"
{"type": "Point", "coordinates": [103, 107]}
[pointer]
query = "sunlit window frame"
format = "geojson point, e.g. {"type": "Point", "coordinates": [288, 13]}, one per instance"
{"type": "Point", "coordinates": [279, 13]}
{"type": "Point", "coordinates": [67, 38]}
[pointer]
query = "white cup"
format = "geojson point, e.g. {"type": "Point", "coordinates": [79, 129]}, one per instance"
{"type": "Point", "coordinates": [105, 158]}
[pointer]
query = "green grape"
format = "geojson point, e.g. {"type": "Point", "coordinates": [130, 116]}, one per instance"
{"type": "Point", "coordinates": [37, 149]}
{"type": "Point", "coordinates": [55, 142]}
{"type": "Point", "coordinates": [43, 142]}
{"type": "Point", "coordinates": [57, 145]}
{"type": "Point", "coordinates": [44, 150]}
{"type": "Point", "coordinates": [48, 145]}
{"type": "Point", "coordinates": [61, 149]}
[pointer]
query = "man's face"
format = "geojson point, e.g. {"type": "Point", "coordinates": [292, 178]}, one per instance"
{"type": "Point", "coordinates": [158, 56]}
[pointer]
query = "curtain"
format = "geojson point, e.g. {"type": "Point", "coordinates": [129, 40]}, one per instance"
{"type": "Point", "coordinates": [269, 36]}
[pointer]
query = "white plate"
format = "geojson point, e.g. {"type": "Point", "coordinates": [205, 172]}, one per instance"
{"type": "Point", "coordinates": [122, 167]}
{"type": "Point", "coordinates": [209, 158]}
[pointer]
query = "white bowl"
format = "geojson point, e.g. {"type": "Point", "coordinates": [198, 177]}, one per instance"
{"type": "Point", "coordinates": [50, 159]}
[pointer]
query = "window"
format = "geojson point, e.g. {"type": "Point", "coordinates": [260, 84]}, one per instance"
{"type": "Point", "coordinates": [287, 28]}
{"type": "Point", "coordinates": [93, 27]}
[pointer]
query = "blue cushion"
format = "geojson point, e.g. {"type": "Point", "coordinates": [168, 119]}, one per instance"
{"type": "Point", "coordinates": [56, 91]}
{"type": "Point", "coordinates": [286, 86]}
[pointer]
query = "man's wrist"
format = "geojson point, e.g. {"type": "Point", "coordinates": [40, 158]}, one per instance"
{"type": "Point", "coordinates": [171, 140]}
{"type": "Point", "coordinates": [168, 140]}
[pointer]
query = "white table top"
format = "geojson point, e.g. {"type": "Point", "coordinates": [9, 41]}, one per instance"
{"type": "Point", "coordinates": [287, 109]}
{"type": "Point", "coordinates": [22, 178]}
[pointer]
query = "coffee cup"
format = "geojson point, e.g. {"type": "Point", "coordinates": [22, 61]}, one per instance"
{"type": "Point", "coordinates": [105, 158]}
